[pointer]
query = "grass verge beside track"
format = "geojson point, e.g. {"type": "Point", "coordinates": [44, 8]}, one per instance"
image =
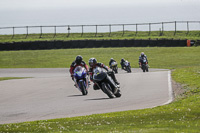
{"type": "Point", "coordinates": [159, 57]}
{"type": "Point", "coordinates": [182, 115]}
{"type": "Point", "coordinates": [192, 35]}
{"type": "Point", "coordinates": [9, 78]}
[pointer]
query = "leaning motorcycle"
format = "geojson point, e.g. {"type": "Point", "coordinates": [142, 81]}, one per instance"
{"type": "Point", "coordinates": [114, 67]}
{"type": "Point", "coordinates": [106, 83]}
{"type": "Point", "coordinates": [127, 66]}
{"type": "Point", "coordinates": [144, 65]}
{"type": "Point", "coordinates": [81, 79]}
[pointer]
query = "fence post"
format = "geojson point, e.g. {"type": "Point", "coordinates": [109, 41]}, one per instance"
{"type": "Point", "coordinates": [13, 32]}
{"type": "Point", "coordinates": [68, 31]}
{"type": "Point", "coordinates": [40, 31]}
{"type": "Point", "coordinates": [110, 30]}
{"type": "Point", "coordinates": [199, 26]}
{"type": "Point", "coordinates": [26, 32]}
{"type": "Point", "coordinates": [149, 29]}
{"type": "Point", "coordinates": [54, 31]}
{"type": "Point", "coordinates": [162, 28]}
{"type": "Point", "coordinates": [123, 30]}
{"type": "Point", "coordinates": [187, 27]}
{"type": "Point", "coordinates": [175, 28]}
{"type": "Point", "coordinates": [82, 31]}
{"type": "Point", "coordinates": [96, 31]}
{"type": "Point", "coordinates": [136, 30]}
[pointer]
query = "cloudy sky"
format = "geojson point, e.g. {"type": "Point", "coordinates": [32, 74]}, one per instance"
{"type": "Point", "coordinates": [55, 4]}
{"type": "Point", "coordinates": [71, 12]}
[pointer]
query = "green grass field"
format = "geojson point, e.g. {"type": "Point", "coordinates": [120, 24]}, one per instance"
{"type": "Point", "coordinates": [159, 57]}
{"type": "Point", "coordinates": [9, 78]}
{"type": "Point", "coordinates": [192, 35]}
{"type": "Point", "coordinates": [180, 116]}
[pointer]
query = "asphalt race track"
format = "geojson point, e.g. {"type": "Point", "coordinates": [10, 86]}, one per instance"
{"type": "Point", "coordinates": [50, 93]}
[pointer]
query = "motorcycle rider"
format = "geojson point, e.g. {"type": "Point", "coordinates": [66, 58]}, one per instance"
{"type": "Point", "coordinates": [141, 57]}
{"type": "Point", "coordinates": [77, 62]}
{"type": "Point", "coordinates": [93, 63]}
{"type": "Point", "coordinates": [122, 63]}
{"type": "Point", "coordinates": [111, 61]}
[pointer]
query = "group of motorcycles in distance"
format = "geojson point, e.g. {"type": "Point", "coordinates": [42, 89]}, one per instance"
{"type": "Point", "coordinates": [127, 67]}
{"type": "Point", "coordinates": [102, 79]}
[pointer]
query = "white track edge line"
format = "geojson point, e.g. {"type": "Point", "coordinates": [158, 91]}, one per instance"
{"type": "Point", "coordinates": [169, 89]}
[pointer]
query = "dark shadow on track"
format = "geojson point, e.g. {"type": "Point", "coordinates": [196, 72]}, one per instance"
{"type": "Point", "coordinates": [99, 99]}
{"type": "Point", "coordinates": [75, 95]}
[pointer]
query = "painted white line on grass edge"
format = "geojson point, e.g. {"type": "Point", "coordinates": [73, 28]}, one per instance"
{"type": "Point", "coordinates": [170, 93]}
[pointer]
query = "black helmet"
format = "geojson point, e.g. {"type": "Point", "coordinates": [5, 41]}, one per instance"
{"type": "Point", "coordinates": [122, 60]}
{"type": "Point", "coordinates": [79, 59]}
{"type": "Point", "coordinates": [111, 59]}
{"type": "Point", "coordinates": [92, 62]}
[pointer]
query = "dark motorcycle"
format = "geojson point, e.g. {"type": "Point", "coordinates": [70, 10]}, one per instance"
{"type": "Point", "coordinates": [81, 79]}
{"type": "Point", "coordinates": [144, 65]}
{"type": "Point", "coordinates": [127, 66]}
{"type": "Point", "coordinates": [106, 83]}
{"type": "Point", "coordinates": [114, 67]}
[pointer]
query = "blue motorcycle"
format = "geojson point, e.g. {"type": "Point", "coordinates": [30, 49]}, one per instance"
{"type": "Point", "coordinates": [81, 79]}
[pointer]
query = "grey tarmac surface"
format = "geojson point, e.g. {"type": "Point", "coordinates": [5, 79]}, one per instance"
{"type": "Point", "coordinates": [50, 93]}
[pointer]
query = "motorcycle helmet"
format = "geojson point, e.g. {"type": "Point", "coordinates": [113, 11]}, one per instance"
{"type": "Point", "coordinates": [111, 59]}
{"type": "Point", "coordinates": [122, 60]}
{"type": "Point", "coordinates": [142, 54]}
{"type": "Point", "coordinates": [79, 59]}
{"type": "Point", "coordinates": [92, 62]}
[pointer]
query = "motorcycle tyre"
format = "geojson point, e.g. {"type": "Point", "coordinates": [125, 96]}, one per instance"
{"type": "Point", "coordinates": [107, 89]}
{"type": "Point", "coordinates": [116, 71]}
{"type": "Point", "coordinates": [143, 68]}
{"type": "Point", "coordinates": [118, 94]}
{"type": "Point", "coordinates": [128, 69]}
{"type": "Point", "coordinates": [83, 88]}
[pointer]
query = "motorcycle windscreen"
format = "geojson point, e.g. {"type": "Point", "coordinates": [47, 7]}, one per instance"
{"type": "Point", "coordinates": [99, 74]}
{"type": "Point", "coordinates": [79, 72]}
{"type": "Point", "coordinates": [113, 63]}
{"type": "Point", "coordinates": [126, 63]}
{"type": "Point", "coordinates": [144, 60]}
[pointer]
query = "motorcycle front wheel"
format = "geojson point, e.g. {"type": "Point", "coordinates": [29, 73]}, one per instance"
{"type": "Point", "coordinates": [108, 90]}
{"type": "Point", "coordinates": [118, 94]}
{"type": "Point", "coordinates": [116, 70]}
{"type": "Point", "coordinates": [83, 88]}
{"type": "Point", "coordinates": [129, 69]}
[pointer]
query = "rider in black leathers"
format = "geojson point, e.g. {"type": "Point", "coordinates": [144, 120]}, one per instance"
{"type": "Point", "coordinates": [93, 63]}
{"type": "Point", "coordinates": [141, 57]}
{"type": "Point", "coordinates": [122, 63]}
{"type": "Point", "coordinates": [111, 61]}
